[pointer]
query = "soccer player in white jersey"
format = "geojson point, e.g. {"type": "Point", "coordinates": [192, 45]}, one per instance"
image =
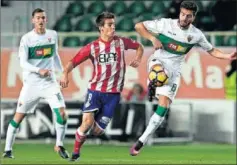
{"type": "Point", "coordinates": [38, 54]}
{"type": "Point", "coordinates": [172, 40]}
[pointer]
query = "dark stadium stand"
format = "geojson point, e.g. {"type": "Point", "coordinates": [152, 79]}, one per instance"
{"type": "Point", "coordinates": [64, 24]}
{"type": "Point", "coordinates": [157, 8]}
{"type": "Point", "coordinates": [118, 8]}
{"type": "Point", "coordinates": [96, 7]}
{"type": "Point", "coordinates": [72, 42]}
{"type": "Point", "coordinates": [137, 8]}
{"type": "Point", "coordinates": [231, 41]}
{"type": "Point", "coordinates": [84, 24]}
{"type": "Point", "coordinates": [75, 9]}
{"type": "Point", "coordinates": [125, 24]}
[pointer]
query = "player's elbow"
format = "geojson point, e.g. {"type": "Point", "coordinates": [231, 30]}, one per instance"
{"type": "Point", "coordinates": [138, 26]}
{"type": "Point", "coordinates": [140, 48]}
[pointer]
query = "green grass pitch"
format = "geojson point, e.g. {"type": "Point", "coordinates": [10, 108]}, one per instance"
{"type": "Point", "coordinates": [111, 154]}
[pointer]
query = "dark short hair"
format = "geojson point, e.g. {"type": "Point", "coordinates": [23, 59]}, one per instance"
{"type": "Point", "coordinates": [190, 5]}
{"type": "Point", "coordinates": [100, 20]}
{"type": "Point", "coordinates": [38, 10]}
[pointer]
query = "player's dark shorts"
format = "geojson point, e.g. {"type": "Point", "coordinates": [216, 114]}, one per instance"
{"type": "Point", "coordinates": [103, 104]}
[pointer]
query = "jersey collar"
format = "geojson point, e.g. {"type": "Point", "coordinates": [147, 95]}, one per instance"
{"type": "Point", "coordinates": [106, 42]}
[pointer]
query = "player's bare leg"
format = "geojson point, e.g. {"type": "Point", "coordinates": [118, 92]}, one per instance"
{"type": "Point", "coordinates": [60, 126]}
{"type": "Point", "coordinates": [155, 121]}
{"type": "Point", "coordinates": [96, 131]}
{"type": "Point", "coordinates": [80, 135]}
{"type": "Point", "coordinates": [11, 134]}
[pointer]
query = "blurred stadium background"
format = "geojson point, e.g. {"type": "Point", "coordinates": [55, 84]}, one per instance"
{"type": "Point", "coordinates": [206, 98]}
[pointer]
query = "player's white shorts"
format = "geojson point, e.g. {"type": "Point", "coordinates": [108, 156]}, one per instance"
{"type": "Point", "coordinates": [31, 95]}
{"type": "Point", "coordinates": [169, 89]}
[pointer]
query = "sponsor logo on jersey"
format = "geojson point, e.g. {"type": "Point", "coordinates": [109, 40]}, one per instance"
{"type": "Point", "coordinates": [107, 58]}
{"type": "Point", "coordinates": [49, 39]}
{"type": "Point", "coordinates": [43, 52]}
{"type": "Point", "coordinates": [176, 47]}
{"type": "Point", "coordinates": [171, 33]}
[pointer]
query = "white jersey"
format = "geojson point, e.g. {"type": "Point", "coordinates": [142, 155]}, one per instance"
{"type": "Point", "coordinates": [176, 42]}
{"type": "Point", "coordinates": [39, 51]}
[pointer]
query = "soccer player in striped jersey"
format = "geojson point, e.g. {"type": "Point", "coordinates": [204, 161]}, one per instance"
{"type": "Point", "coordinates": [172, 39]}
{"type": "Point", "coordinates": [106, 84]}
{"type": "Point", "coordinates": [38, 53]}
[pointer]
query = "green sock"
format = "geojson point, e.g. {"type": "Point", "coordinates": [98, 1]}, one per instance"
{"type": "Point", "coordinates": [14, 124]}
{"type": "Point", "coordinates": [60, 120]}
{"type": "Point", "coordinates": [11, 134]}
{"type": "Point", "coordinates": [161, 111]}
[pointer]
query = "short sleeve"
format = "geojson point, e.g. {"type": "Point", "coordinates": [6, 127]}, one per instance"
{"type": "Point", "coordinates": [130, 43]}
{"type": "Point", "coordinates": [82, 55]}
{"type": "Point", "coordinates": [207, 46]}
{"type": "Point", "coordinates": [155, 26]}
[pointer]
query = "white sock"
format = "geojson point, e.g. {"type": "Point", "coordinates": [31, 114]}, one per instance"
{"type": "Point", "coordinates": [60, 133]}
{"type": "Point", "coordinates": [153, 124]}
{"type": "Point", "coordinates": [11, 135]}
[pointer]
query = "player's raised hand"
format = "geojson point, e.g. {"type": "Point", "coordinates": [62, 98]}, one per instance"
{"type": "Point", "coordinates": [135, 63]}
{"type": "Point", "coordinates": [64, 81]}
{"type": "Point", "coordinates": [156, 43]}
{"type": "Point", "coordinates": [45, 72]}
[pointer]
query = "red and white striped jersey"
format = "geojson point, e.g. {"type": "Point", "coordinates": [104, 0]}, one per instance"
{"type": "Point", "coordinates": [109, 62]}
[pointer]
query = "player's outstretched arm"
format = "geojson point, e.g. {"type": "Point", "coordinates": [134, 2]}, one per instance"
{"type": "Point", "coordinates": [204, 43]}
{"type": "Point", "coordinates": [219, 54]}
{"type": "Point", "coordinates": [141, 29]}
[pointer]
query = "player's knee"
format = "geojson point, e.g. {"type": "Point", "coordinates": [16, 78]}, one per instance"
{"type": "Point", "coordinates": [86, 126]}
{"type": "Point", "coordinates": [164, 101]}
{"type": "Point", "coordinates": [88, 118]}
{"type": "Point", "coordinates": [61, 115]}
{"type": "Point", "coordinates": [96, 131]}
{"type": "Point", "coordinates": [88, 121]}
{"type": "Point", "coordinates": [163, 106]}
